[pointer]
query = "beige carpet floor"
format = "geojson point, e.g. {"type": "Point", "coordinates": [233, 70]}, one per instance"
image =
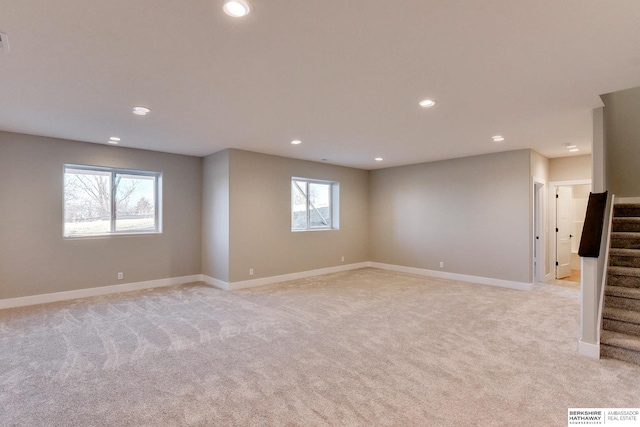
{"type": "Point", "coordinates": [361, 348]}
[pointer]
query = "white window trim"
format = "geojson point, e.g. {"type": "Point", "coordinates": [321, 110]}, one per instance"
{"type": "Point", "coordinates": [114, 172]}
{"type": "Point", "coordinates": [334, 196]}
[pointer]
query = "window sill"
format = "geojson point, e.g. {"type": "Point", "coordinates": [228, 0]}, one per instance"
{"type": "Point", "coordinates": [102, 236]}
{"type": "Point", "coordinates": [315, 230]}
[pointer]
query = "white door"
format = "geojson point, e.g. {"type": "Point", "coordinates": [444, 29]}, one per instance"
{"type": "Point", "coordinates": [563, 231]}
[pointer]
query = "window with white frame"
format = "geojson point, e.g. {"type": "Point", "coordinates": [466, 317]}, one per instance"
{"type": "Point", "coordinates": [102, 201]}
{"type": "Point", "coordinates": [314, 204]}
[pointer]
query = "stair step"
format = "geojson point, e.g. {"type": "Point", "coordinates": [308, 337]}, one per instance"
{"type": "Point", "coordinates": [620, 338]}
{"type": "Point", "coordinates": [622, 292]}
{"type": "Point", "coordinates": [621, 302]}
{"type": "Point", "coordinates": [622, 315]}
{"type": "Point", "coordinates": [628, 252]}
{"type": "Point", "coordinates": [623, 276]}
{"type": "Point", "coordinates": [625, 240]}
{"type": "Point", "coordinates": [617, 339]}
{"type": "Point", "coordinates": [618, 353]}
{"type": "Point", "coordinates": [623, 327]}
{"type": "Point", "coordinates": [619, 257]}
{"type": "Point", "coordinates": [624, 271]}
{"type": "Point", "coordinates": [626, 224]}
{"type": "Point", "coordinates": [626, 209]}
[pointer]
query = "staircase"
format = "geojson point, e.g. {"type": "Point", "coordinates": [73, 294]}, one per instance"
{"type": "Point", "coordinates": [620, 338]}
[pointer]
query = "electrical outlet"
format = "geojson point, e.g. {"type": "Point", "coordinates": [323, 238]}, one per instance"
{"type": "Point", "coordinates": [441, 264]}
{"type": "Point", "coordinates": [120, 276]}
{"type": "Point", "coordinates": [342, 259]}
{"type": "Point", "coordinates": [251, 272]}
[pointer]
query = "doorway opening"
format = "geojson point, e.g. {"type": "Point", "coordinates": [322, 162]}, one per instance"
{"type": "Point", "coordinates": [568, 207]}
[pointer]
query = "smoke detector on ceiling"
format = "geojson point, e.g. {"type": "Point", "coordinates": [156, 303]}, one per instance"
{"type": "Point", "coordinates": [4, 42]}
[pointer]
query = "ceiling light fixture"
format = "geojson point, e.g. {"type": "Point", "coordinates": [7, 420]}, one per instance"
{"type": "Point", "coordinates": [296, 142]}
{"type": "Point", "coordinates": [236, 8]}
{"type": "Point", "coordinates": [426, 103]}
{"type": "Point", "coordinates": [573, 150]}
{"type": "Point", "coordinates": [114, 140]}
{"type": "Point", "coordinates": [141, 111]}
{"type": "Point", "coordinates": [497, 138]}
{"type": "Point", "coordinates": [378, 159]}
{"type": "Point", "coordinates": [570, 146]}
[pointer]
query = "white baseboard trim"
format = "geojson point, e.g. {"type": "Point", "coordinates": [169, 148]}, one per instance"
{"type": "Point", "coordinates": [588, 349]}
{"type": "Point", "coordinates": [282, 278]}
{"type": "Point", "coordinates": [216, 283]}
{"type": "Point", "coordinates": [521, 286]}
{"type": "Point", "coordinates": [220, 284]}
{"type": "Point", "coordinates": [92, 292]}
{"type": "Point", "coordinates": [627, 200]}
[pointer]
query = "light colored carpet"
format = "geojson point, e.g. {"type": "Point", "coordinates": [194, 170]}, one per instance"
{"type": "Point", "coordinates": [366, 347]}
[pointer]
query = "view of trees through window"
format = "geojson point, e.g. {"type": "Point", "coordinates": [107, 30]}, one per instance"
{"type": "Point", "coordinates": [104, 201]}
{"type": "Point", "coordinates": [310, 204]}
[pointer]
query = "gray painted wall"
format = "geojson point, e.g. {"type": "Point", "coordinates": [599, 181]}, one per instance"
{"type": "Point", "coordinates": [471, 213]}
{"type": "Point", "coordinates": [34, 257]}
{"type": "Point", "coordinates": [622, 142]}
{"type": "Point", "coordinates": [215, 216]}
{"type": "Point", "coordinates": [260, 217]}
{"type": "Point", "coordinates": [598, 178]}
{"type": "Point", "coordinates": [230, 212]}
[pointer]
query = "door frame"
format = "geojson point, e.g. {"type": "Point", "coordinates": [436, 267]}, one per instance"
{"type": "Point", "coordinates": [550, 275]}
{"type": "Point", "coordinates": [538, 250]}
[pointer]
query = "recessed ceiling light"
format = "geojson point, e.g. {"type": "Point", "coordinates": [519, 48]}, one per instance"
{"type": "Point", "coordinates": [497, 138]}
{"type": "Point", "coordinates": [296, 142]}
{"type": "Point", "coordinates": [236, 8]}
{"type": "Point", "coordinates": [378, 159]}
{"type": "Point", "coordinates": [114, 140]}
{"type": "Point", "coordinates": [141, 111]}
{"type": "Point", "coordinates": [573, 150]}
{"type": "Point", "coordinates": [570, 146]}
{"type": "Point", "coordinates": [426, 103]}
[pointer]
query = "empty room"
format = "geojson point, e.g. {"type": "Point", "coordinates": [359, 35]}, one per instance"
{"type": "Point", "coordinates": [307, 213]}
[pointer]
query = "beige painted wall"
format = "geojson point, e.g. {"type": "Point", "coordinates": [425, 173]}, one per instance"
{"type": "Point", "coordinates": [36, 259]}
{"type": "Point", "coordinates": [260, 217]}
{"type": "Point", "coordinates": [539, 166]}
{"type": "Point", "coordinates": [570, 168]}
{"type": "Point", "coordinates": [622, 142]}
{"type": "Point", "coordinates": [215, 216]}
{"type": "Point", "coordinates": [471, 213]}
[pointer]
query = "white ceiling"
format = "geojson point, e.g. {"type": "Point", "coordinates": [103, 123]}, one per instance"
{"type": "Point", "coordinates": [344, 76]}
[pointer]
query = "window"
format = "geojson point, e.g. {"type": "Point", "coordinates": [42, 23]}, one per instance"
{"type": "Point", "coordinates": [314, 204]}
{"type": "Point", "coordinates": [106, 201]}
